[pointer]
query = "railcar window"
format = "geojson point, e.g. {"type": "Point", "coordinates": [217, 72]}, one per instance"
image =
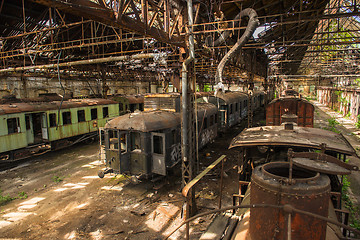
{"type": "Point", "coordinates": [105, 112]}
{"type": "Point", "coordinates": [135, 141]}
{"type": "Point", "coordinates": [52, 119]}
{"type": "Point", "coordinates": [81, 115]}
{"type": "Point", "coordinates": [231, 108]}
{"type": "Point", "coordinates": [141, 107]}
{"type": "Point", "coordinates": [27, 122]}
{"type": "Point", "coordinates": [123, 142]}
{"type": "Point", "coordinates": [66, 118]}
{"type": "Point", "coordinates": [94, 113]}
{"type": "Point", "coordinates": [158, 144]}
{"type": "Point", "coordinates": [216, 118]}
{"type": "Point", "coordinates": [205, 123]}
{"type": "Point", "coordinates": [121, 107]}
{"type": "Point", "coordinates": [236, 107]}
{"type": "Point", "coordinates": [132, 107]}
{"type": "Point", "coordinates": [13, 125]}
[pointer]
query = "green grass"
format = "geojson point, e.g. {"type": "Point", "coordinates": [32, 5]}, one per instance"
{"type": "Point", "coordinates": [354, 211]}
{"type": "Point", "coordinates": [4, 199]}
{"type": "Point", "coordinates": [332, 123]}
{"type": "Point", "coordinates": [57, 179]}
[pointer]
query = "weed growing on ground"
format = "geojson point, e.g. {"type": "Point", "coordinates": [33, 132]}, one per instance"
{"type": "Point", "coordinates": [332, 124]}
{"type": "Point", "coordinates": [22, 195]}
{"type": "Point", "coordinates": [354, 211]}
{"type": "Point", "coordinates": [57, 179]}
{"type": "Point", "coordinates": [5, 199]}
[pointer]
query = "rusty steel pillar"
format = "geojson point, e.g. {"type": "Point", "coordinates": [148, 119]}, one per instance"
{"type": "Point", "coordinates": [305, 190]}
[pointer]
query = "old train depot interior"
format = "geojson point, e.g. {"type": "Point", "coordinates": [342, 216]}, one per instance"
{"type": "Point", "coordinates": [180, 119]}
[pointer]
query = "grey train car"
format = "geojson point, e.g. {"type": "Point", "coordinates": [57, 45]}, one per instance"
{"type": "Point", "coordinates": [147, 143]}
{"type": "Point", "coordinates": [232, 107]}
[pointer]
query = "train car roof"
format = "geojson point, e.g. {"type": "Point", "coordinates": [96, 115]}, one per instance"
{"type": "Point", "coordinates": [45, 106]}
{"type": "Point", "coordinates": [298, 137]}
{"type": "Point", "coordinates": [206, 109]}
{"type": "Point", "coordinates": [133, 99]}
{"type": "Point", "coordinates": [230, 97]}
{"type": "Point", "coordinates": [290, 98]}
{"type": "Point", "coordinates": [145, 121]}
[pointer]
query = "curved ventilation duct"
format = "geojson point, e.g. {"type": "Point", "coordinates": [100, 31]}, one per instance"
{"type": "Point", "coordinates": [252, 25]}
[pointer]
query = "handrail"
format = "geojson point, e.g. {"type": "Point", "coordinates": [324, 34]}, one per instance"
{"type": "Point", "coordinates": [188, 186]}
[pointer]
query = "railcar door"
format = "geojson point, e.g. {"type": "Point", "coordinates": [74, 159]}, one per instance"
{"type": "Point", "coordinates": [117, 154]}
{"type": "Point", "coordinates": [44, 127]}
{"type": "Point", "coordinates": [158, 153]}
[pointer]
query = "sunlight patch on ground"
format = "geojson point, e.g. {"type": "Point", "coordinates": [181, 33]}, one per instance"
{"type": "Point", "coordinates": [160, 217]}
{"type": "Point", "coordinates": [96, 163]}
{"type": "Point", "coordinates": [97, 235]}
{"type": "Point", "coordinates": [70, 235]}
{"type": "Point", "coordinates": [34, 200]}
{"type": "Point", "coordinates": [4, 223]}
{"type": "Point", "coordinates": [88, 166]}
{"type": "Point", "coordinates": [180, 233]}
{"type": "Point", "coordinates": [114, 188]}
{"type": "Point", "coordinates": [82, 205]}
{"type": "Point", "coordinates": [16, 216]}
{"type": "Point", "coordinates": [60, 189]}
{"type": "Point", "coordinates": [26, 207]}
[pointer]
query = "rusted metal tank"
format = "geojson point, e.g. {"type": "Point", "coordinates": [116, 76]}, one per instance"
{"type": "Point", "coordinates": [308, 191]}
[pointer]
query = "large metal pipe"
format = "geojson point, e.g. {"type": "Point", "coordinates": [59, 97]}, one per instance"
{"type": "Point", "coordinates": [252, 25]}
{"type": "Point", "coordinates": [184, 87]}
{"type": "Point", "coordinates": [82, 62]}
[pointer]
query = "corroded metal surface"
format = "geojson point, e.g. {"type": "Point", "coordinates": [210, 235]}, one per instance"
{"type": "Point", "coordinates": [44, 106]}
{"type": "Point", "coordinates": [303, 109]}
{"type": "Point", "coordinates": [323, 163]}
{"type": "Point", "coordinates": [145, 121]}
{"type": "Point", "coordinates": [299, 137]}
{"type": "Point", "coordinates": [231, 97]}
{"type": "Point", "coordinates": [309, 191]}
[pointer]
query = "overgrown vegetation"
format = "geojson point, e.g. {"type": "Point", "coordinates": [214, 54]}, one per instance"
{"type": "Point", "coordinates": [4, 199]}
{"type": "Point", "coordinates": [357, 124]}
{"type": "Point", "coordinates": [354, 211]}
{"type": "Point", "coordinates": [332, 124]}
{"type": "Point", "coordinates": [57, 179]}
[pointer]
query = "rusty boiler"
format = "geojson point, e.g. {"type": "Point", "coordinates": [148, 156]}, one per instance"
{"type": "Point", "coordinates": [306, 190]}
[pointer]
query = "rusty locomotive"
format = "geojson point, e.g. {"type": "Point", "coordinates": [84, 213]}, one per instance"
{"type": "Point", "coordinates": [149, 142]}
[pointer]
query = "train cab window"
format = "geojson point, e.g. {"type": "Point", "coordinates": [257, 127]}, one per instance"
{"type": "Point", "coordinates": [211, 120]}
{"type": "Point", "coordinates": [158, 144]}
{"type": "Point", "coordinates": [52, 120]}
{"type": "Point", "coordinates": [132, 107]}
{"type": "Point", "coordinates": [236, 107]}
{"type": "Point", "coordinates": [13, 125]}
{"type": "Point", "coordinates": [231, 108]}
{"type": "Point", "coordinates": [216, 118]}
{"type": "Point", "coordinates": [205, 123]}
{"type": "Point", "coordinates": [114, 143]}
{"type": "Point", "coordinates": [135, 141]}
{"type": "Point", "coordinates": [27, 122]}
{"type": "Point", "coordinates": [123, 142]}
{"type": "Point", "coordinates": [66, 118]}
{"type": "Point", "coordinates": [105, 112]}
{"type": "Point", "coordinates": [126, 107]}
{"type": "Point", "coordinates": [141, 107]}
{"type": "Point", "coordinates": [94, 113]}
{"type": "Point", "coordinates": [121, 107]}
{"type": "Point", "coordinates": [81, 115]}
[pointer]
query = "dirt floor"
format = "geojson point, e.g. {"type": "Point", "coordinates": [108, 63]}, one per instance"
{"type": "Point", "coordinates": [62, 197]}
{"type": "Point", "coordinates": [59, 196]}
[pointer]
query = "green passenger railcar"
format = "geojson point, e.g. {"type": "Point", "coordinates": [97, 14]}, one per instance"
{"type": "Point", "coordinates": [30, 128]}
